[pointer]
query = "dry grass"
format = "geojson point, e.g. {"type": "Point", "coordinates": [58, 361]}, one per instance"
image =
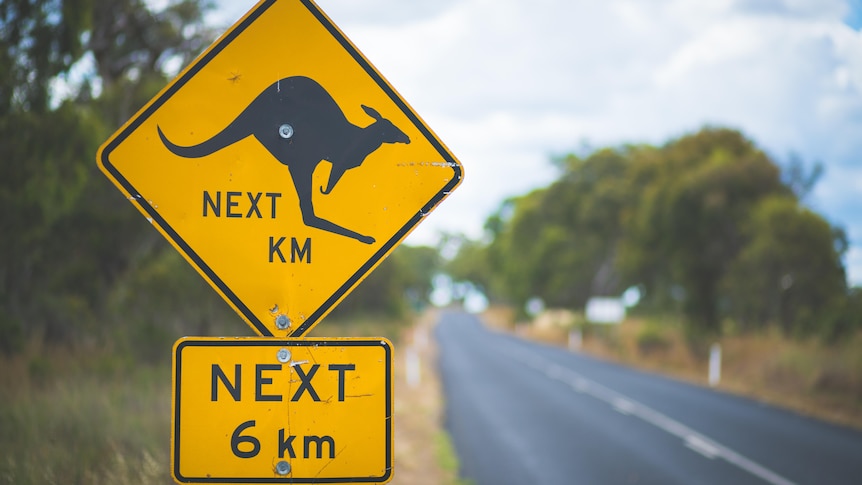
{"type": "Point", "coordinates": [96, 418]}
{"type": "Point", "coordinates": [808, 376]}
{"type": "Point", "coordinates": [63, 424]}
{"type": "Point", "coordinates": [816, 379]}
{"type": "Point", "coordinates": [423, 452]}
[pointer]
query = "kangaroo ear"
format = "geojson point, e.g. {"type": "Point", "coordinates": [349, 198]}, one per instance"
{"type": "Point", "coordinates": [372, 113]}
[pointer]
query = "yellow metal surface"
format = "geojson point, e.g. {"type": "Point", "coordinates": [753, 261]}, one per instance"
{"type": "Point", "coordinates": [243, 413]}
{"type": "Point", "coordinates": [281, 220]}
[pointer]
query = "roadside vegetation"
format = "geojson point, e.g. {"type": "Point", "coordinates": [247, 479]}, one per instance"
{"type": "Point", "coordinates": [810, 376]}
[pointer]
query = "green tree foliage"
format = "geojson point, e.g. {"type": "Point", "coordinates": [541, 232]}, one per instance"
{"type": "Point", "coordinates": [472, 263]}
{"type": "Point", "coordinates": [134, 47]}
{"type": "Point", "coordinates": [43, 178]}
{"type": "Point", "coordinates": [559, 243]}
{"type": "Point", "coordinates": [707, 224]}
{"type": "Point", "coordinates": [160, 298]}
{"type": "Point", "coordinates": [401, 283]}
{"type": "Point", "coordinates": [417, 267]}
{"type": "Point", "coordinates": [844, 317]}
{"type": "Point", "coordinates": [800, 178]}
{"type": "Point", "coordinates": [687, 227]}
{"type": "Point", "coordinates": [39, 39]}
{"type": "Point", "coordinates": [69, 238]}
{"type": "Point", "coordinates": [788, 270]}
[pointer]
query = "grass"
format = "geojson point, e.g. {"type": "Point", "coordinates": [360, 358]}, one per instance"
{"type": "Point", "coordinates": [62, 425]}
{"type": "Point", "coordinates": [423, 451]}
{"type": "Point", "coordinates": [448, 460]}
{"type": "Point", "coordinates": [814, 378]}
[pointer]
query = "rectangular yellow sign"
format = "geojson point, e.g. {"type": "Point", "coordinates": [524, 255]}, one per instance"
{"type": "Point", "coordinates": [264, 410]}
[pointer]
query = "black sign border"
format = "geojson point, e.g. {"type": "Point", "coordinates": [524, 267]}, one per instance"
{"type": "Point", "coordinates": [363, 271]}
{"type": "Point", "coordinates": [276, 344]}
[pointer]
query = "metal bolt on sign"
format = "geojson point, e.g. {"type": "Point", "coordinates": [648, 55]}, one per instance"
{"type": "Point", "coordinates": [285, 131]}
{"type": "Point", "coordinates": [282, 468]}
{"type": "Point", "coordinates": [283, 356]}
{"type": "Point", "coordinates": [282, 322]}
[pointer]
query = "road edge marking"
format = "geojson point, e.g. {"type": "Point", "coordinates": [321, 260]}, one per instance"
{"type": "Point", "coordinates": [625, 405]}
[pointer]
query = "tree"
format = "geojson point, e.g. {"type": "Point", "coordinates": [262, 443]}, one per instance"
{"type": "Point", "coordinates": [707, 224]}
{"type": "Point", "coordinates": [134, 47]}
{"type": "Point", "coordinates": [799, 179]}
{"type": "Point", "coordinates": [686, 230]}
{"type": "Point", "coordinates": [39, 40]}
{"type": "Point", "coordinates": [41, 185]}
{"type": "Point", "coordinates": [73, 237]}
{"type": "Point", "coordinates": [418, 265]}
{"type": "Point", "coordinates": [472, 264]}
{"type": "Point", "coordinates": [559, 243]}
{"type": "Point", "coordinates": [789, 272]}
{"type": "Point", "coordinates": [400, 283]}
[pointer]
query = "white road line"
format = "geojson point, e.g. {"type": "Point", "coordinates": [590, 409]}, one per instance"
{"type": "Point", "coordinates": [623, 406]}
{"type": "Point", "coordinates": [705, 448]}
{"type": "Point", "coordinates": [692, 439]}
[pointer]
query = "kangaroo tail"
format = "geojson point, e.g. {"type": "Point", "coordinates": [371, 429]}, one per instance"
{"type": "Point", "coordinates": [228, 136]}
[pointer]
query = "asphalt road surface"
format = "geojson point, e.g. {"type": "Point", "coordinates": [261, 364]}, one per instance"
{"type": "Point", "coordinates": [525, 413]}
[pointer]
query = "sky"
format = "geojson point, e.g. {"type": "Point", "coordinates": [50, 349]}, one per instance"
{"type": "Point", "coordinates": [508, 85]}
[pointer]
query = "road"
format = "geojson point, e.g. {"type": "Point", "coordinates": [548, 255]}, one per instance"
{"type": "Point", "coordinates": [520, 412]}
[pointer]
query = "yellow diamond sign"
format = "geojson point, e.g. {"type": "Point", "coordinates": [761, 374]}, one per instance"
{"type": "Point", "coordinates": [282, 166]}
{"type": "Point", "coordinates": [264, 410]}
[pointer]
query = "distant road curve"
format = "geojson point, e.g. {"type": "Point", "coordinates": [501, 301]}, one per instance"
{"type": "Point", "coordinates": [525, 413]}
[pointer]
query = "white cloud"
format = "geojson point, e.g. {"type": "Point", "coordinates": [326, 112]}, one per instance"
{"type": "Point", "coordinates": [508, 83]}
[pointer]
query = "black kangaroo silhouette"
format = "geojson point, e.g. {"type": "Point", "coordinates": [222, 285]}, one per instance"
{"type": "Point", "coordinates": [301, 125]}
